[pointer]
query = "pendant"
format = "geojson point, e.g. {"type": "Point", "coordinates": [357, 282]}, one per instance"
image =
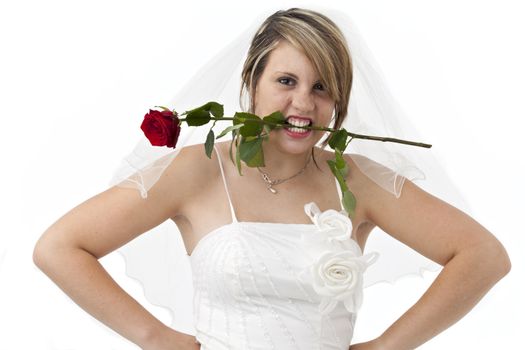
{"type": "Point", "coordinates": [271, 189]}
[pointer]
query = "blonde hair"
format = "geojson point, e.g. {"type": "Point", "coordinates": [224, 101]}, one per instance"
{"type": "Point", "coordinates": [321, 41]}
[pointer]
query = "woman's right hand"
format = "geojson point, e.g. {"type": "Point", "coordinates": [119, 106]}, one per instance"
{"type": "Point", "coordinates": [170, 339]}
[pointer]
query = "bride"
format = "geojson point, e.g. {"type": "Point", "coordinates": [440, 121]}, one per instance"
{"type": "Point", "coordinates": [259, 283]}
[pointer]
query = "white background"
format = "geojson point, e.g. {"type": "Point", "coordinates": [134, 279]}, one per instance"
{"type": "Point", "coordinates": [77, 77]}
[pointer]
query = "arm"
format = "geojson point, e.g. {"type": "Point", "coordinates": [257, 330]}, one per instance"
{"type": "Point", "coordinates": [473, 259]}
{"type": "Point", "coordinates": [69, 250]}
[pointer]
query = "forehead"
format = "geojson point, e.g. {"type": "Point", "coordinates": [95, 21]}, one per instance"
{"type": "Point", "coordinates": [287, 58]}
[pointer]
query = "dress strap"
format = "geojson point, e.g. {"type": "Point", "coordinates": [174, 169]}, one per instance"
{"type": "Point", "coordinates": [339, 193]}
{"type": "Point", "coordinates": [234, 217]}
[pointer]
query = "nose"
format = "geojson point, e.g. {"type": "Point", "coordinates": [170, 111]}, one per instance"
{"type": "Point", "coordinates": [303, 100]}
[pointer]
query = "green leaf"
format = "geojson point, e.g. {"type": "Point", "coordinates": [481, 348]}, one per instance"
{"type": "Point", "coordinates": [228, 129]}
{"type": "Point", "coordinates": [338, 139]}
{"type": "Point", "coordinates": [274, 118]}
{"type": "Point", "coordinates": [257, 160]}
{"type": "Point", "coordinates": [164, 108]}
{"type": "Point", "coordinates": [266, 132]}
{"type": "Point", "coordinates": [201, 115]}
{"type": "Point", "coordinates": [249, 150]}
{"type": "Point", "coordinates": [240, 117]}
{"type": "Point", "coordinates": [344, 171]}
{"type": "Point", "coordinates": [339, 160]}
{"type": "Point", "coordinates": [251, 128]}
{"type": "Point", "coordinates": [197, 117]}
{"type": "Point", "coordinates": [340, 170]}
{"type": "Point", "coordinates": [333, 166]}
{"type": "Point", "coordinates": [338, 173]}
{"type": "Point", "coordinates": [335, 170]}
{"type": "Point", "coordinates": [216, 109]}
{"type": "Point", "coordinates": [208, 146]}
{"type": "Point", "coordinates": [341, 163]}
{"type": "Point", "coordinates": [253, 125]}
{"type": "Point", "coordinates": [349, 202]}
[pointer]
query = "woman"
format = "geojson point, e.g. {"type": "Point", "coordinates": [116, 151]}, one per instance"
{"type": "Point", "coordinates": [247, 255]}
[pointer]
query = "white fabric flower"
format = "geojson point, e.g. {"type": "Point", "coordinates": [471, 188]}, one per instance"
{"type": "Point", "coordinates": [332, 223]}
{"type": "Point", "coordinates": [338, 276]}
{"type": "Point", "coordinates": [339, 264]}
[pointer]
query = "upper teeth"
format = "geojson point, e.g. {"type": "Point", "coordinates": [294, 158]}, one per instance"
{"type": "Point", "coordinates": [298, 121]}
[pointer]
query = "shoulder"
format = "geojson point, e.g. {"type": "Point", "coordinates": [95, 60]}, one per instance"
{"type": "Point", "coordinates": [363, 180]}
{"type": "Point", "coordinates": [414, 217]}
{"type": "Point", "coordinates": [358, 183]}
{"type": "Point", "coordinates": [187, 175]}
{"type": "Point", "coordinates": [357, 165]}
{"type": "Point", "coordinates": [192, 163]}
{"type": "Point", "coordinates": [383, 195]}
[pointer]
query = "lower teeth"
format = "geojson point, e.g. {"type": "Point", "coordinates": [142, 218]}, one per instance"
{"type": "Point", "coordinates": [297, 130]}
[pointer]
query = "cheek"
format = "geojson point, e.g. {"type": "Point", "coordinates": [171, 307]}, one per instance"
{"type": "Point", "coordinates": [269, 102]}
{"type": "Point", "coordinates": [327, 112]}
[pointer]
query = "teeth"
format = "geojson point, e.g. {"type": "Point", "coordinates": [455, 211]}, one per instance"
{"type": "Point", "coordinates": [298, 130]}
{"type": "Point", "coordinates": [298, 121]}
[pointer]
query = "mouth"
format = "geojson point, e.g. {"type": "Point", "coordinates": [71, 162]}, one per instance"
{"type": "Point", "coordinates": [295, 124]}
{"type": "Point", "coordinates": [294, 127]}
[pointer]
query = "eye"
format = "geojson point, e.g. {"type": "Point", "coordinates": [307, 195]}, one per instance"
{"type": "Point", "coordinates": [319, 86]}
{"type": "Point", "coordinates": [286, 81]}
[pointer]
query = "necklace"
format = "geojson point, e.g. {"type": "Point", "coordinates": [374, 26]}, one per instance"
{"type": "Point", "coordinates": [270, 183]}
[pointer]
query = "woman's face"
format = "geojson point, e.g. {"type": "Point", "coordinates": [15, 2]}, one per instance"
{"type": "Point", "coordinates": [290, 84]}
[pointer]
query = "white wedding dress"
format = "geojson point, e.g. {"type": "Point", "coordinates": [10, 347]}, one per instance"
{"type": "Point", "coordinates": [254, 286]}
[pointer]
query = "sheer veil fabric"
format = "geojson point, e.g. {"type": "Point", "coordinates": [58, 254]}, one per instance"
{"type": "Point", "coordinates": [158, 259]}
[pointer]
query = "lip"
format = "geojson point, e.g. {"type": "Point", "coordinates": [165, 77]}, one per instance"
{"type": "Point", "coordinates": [298, 135]}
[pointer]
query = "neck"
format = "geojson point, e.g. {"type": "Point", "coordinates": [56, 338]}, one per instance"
{"type": "Point", "coordinates": [279, 164]}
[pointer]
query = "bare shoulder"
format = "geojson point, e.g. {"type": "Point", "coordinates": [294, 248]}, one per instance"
{"type": "Point", "coordinates": [188, 175]}
{"type": "Point", "coordinates": [355, 176]}
{"type": "Point", "coordinates": [416, 218]}
{"type": "Point", "coordinates": [361, 183]}
{"type": "Point", "coordinates": [117, 215]}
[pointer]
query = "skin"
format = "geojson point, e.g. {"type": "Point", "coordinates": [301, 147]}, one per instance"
{"type": "Point", "coordinates": [68, 251]}
{"type": "Point", "coordinates": [290, 84]}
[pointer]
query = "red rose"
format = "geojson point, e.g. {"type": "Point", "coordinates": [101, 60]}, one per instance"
{"type": "Point", "coordinates": [161, 128]}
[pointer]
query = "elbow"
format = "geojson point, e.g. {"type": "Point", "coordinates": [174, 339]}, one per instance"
{"type": "Point", "coordinates": [53, 252]}
{"type": "Point", "coordinates": [40, 253]}
{"type": "Point", "coordinates": [505, 264]}
{"type": "Point", "coordinates": [487, 260]}
{"type": "Point", "coordinates": [496, 257]}
{"type": "Point", "coordinates": [45, 252]}
{"type": "Point", "coordinates": [501, 259]}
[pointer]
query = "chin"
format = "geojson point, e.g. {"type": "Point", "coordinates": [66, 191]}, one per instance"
{"type": "Point", "coordinates": [290, 145]}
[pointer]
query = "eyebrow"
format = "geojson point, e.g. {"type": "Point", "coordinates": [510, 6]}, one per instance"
{"type": "Point", "coordinates": [294, 76]}
{"type": "Point", "coordinates": [288, 73]}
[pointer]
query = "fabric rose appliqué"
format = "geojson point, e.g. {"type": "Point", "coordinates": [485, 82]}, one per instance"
{"type": "Point", "coordinates": [334, 225]}
{"type": "Point", "coordinates": [337, 271]}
